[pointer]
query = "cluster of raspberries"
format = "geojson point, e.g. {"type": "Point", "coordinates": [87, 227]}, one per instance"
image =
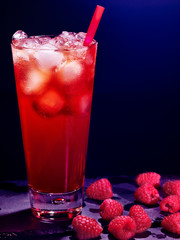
{"type": "Point", "coordinates": [125, 227]}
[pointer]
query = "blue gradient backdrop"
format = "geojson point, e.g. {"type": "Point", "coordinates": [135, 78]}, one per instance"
{"type": "Point", "coordinates": [136, 113]}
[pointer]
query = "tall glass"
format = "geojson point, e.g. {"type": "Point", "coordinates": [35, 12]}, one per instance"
{"type": "Point", "coordinates": [54, 89]}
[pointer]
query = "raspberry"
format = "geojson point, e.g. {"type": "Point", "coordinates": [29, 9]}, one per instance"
{"type": "Point", "coordinates": [170, 204]}
{"type": "Point", "coordinates": [86, 227]}
{"type": "Point", "coordinates": [110, 209]}
{"type": "Point", "coordinates": [172, 188]}
{"type": "Point", "coordinates": [147, 194]}
{"type": "Point", "coordinates": [100, 190]}
{"type": "Point", "coordinates": [142, 220]}
{"type": "Point", "coordinates": [148, 177]}
{"type": "Point", "coordinates": [172, 223]}
{"type": "Point", "coordinates": [122, 227]}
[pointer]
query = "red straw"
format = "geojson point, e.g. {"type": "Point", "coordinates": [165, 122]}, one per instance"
{"type": "Point", "coordinates": [93, 25]}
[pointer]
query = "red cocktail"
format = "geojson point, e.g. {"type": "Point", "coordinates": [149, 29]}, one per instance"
{"type": "Point", "coordinates": [54, 81]}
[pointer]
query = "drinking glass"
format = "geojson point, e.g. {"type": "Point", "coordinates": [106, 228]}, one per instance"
{"type": "Point", "coordinates": [54, 90]}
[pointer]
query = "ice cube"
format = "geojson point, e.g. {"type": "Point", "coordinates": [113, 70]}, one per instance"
{"type": "Point", "coordinates": [44, 39]}
{"type": "Point", "coordinates": [35, 81]}
{"type": "Point", "coordinates": [19, 35]}
{"type": "Point", "coordinates": [69, 40]}
{"type": "Point", "coordinates": [69, 35]}
{"type": "Point", "coordinates": [20, 55]}
{"type": "Point", "coordinates": [49, 104]}
{"type": "Point", "coordinates": [48, 46]}
{"type": "Point", "coordinates": [29, 43]}
{"type": "Point", "coordinates": [81, 105]}
{"type": "Point", "coordinates": [71, 72]}
{"type": "Point", "coordinates": [32, 43]}
{"type": "Point", "coordinates": [19, 38]}
{"type": "Point", "coordinates": [72, 78]}
{"type": "Point", "coordinates": [48, 59]}
{"type": "Point", "coordinates": [81, 36]}
{"type": "Point", "coordinates": [78, 53]}
{"type": "Point", "coordinates": [57, 42]}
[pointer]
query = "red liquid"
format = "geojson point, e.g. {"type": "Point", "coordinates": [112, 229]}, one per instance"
{"type": "Point", "coordinates": [55, 117]}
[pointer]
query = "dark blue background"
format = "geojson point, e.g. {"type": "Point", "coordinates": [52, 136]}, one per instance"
{"type": "Point", "coordinates": [135, 113]}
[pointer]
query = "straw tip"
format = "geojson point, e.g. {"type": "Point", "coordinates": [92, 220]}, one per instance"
{"type": "Point", "coordinates": [98, 6]}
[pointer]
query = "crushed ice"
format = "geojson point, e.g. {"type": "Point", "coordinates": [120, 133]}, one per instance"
{"type": "Point", "coordinates": [18, 35]}
{"type": "Point", "coordinates": [65, 40]}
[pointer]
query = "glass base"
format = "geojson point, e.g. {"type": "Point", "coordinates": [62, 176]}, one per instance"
{"type": "Point", "coordinates": [56, 206]}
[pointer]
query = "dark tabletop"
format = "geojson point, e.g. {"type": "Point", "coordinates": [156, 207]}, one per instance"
{"type": "Point", "coordinates": [16, 221]}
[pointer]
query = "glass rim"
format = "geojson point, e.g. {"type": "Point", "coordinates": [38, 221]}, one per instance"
{"type": "Point", "coordinates": [63, 49]}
